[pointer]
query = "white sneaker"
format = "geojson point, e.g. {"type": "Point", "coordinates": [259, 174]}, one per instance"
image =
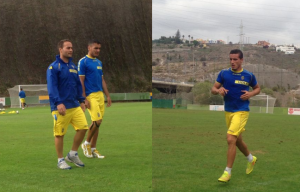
{"type": "Point", "coordinates": [87, 150]}
{"type": "Point", "coordinates": [96, 154]}
{"type": "Point", "coordinates": [63, 165]}
{"type": "Point", "coordinates": [74, 159]}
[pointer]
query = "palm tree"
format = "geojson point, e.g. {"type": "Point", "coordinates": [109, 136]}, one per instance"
{"type": "Point", "coordinates": [189, 39]}
{"type": "Point", "coordinates": [182, 37]}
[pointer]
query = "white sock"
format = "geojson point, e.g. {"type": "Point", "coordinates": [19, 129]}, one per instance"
{"type": "Point", "coordinates": [93, 149]}
{"type": "Point", "coordinates": [60, 159]}
{"type": "Point", "coordinates": [250, 158]}
{"type": "Point", "coordinates": [72, 153]}
{"type": "Point", "coordinates": [87, 143]}
{"type": "Point", "coordinates": [228, 170]}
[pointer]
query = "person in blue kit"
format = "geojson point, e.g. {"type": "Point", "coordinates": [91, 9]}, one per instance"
{"type": "Point", "coordinates": [93, 85]}
{"type": "Point", "coordinates": [233, 84]}
{"type": "Point", "coordinates": [22, 96]}
{"type": "Point", "coordinates": [67, 103]}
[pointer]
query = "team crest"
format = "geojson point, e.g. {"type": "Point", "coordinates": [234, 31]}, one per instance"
{"type": "Point", "coordinates": [242, 77]}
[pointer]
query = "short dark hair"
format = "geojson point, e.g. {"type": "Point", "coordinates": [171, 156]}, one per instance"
{"type": "Point", "coordinates": [237, 51]}
{"type": "Point", "coordinates": [60, 44]}
{"type": "Point", "coordinates": [92, 41]}
{"type": "Point", "coordinates": [21, 89]}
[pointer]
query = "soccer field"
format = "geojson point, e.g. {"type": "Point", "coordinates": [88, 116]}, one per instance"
{"type": "Point", "coordinates": [28, 158]}
{"type": "Point", "coordinates": [189, 152]}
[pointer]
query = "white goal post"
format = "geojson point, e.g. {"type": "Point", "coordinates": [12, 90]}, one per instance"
{"type": "Point", "coordinates": [35, 95]}
{"type": "Point", "coordinates": [262, 104]}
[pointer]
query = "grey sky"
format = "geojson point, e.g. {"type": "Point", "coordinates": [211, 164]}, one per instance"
{"type": "Point", "coordinates": [276, 21]}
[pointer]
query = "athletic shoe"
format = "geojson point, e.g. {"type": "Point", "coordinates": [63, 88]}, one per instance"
{"type": "Point", "coordinates": [225, 177]}
{"type": "Point", "coordinates": [96, 154]}
{"type": "Point", "coordinates": [250, 165]}
{"type": "Point", "coordinates": [87, 150]}
{"type": "Point", "coordinates": [63, 165]}
{"type": "Point", "coordinates": [74, 159]}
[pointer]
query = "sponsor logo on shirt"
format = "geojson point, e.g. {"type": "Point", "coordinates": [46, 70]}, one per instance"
{"type": "Point", "coordinates": [99, 67]}
{"type": "Point", "coordinates": [241, 82]}
{"type": "Point", "coordinates": [73, 71]}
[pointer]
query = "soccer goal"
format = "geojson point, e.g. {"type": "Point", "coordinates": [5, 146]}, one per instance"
{"type": "Point", "coordinates": [262, 104]}
{"type": "Point", "coordinates": [35, 95]}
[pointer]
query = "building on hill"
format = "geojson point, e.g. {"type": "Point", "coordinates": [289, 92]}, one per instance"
{"type": "Point", "coordinates": [286, 49]}
{"type": "Point", "coordinates": [263, 43]}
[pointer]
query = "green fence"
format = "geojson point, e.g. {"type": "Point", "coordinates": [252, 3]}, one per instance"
{"type": "Point", "coordinates": [162, 103]}
{"type": "Point", "coordinates": [114, 97]}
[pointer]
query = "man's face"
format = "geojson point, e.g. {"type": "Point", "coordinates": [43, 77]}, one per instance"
{"type": "Point", "coordinates": [67, 50]}
{"type": "Point", "coordinates": [236, 62]}
{"type": "Point", "coordinates": [94, 49]}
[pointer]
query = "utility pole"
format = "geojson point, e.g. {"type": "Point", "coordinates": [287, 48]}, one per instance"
{"type": "Point", "coordinates": [241, 36]}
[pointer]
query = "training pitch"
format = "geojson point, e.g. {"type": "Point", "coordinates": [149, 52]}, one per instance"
{"type": "Point", "coordinates": [189, 152]}
{"type": "Point", "coordinates": [28, 160]}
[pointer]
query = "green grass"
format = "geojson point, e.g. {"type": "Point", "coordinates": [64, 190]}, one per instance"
{"type": "Point", "coordinates": [28, 159]}
{"type": "Point", "coordinates": [189, 152]}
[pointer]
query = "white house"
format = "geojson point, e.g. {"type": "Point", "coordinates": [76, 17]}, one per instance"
{"type": "Point", "coordinates": [285, 49]}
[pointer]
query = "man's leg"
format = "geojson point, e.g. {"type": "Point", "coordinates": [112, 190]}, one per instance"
{"type": "Point", "coordinates": [242, 146]}
{"type": "Point", "coordinates": [95, 137]}
{"type": "Point", "coordinates": [59, 143]}
{"type": "Point", "coordinates": [244, 149]}
{"type": "Point", "coordinates": [231, 141]}
{"type": "Point", "coordinates": [93, 131]}
{"type": "Point", "coordinates": [78, 138]}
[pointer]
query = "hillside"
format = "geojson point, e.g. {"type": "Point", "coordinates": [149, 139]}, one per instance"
{"type": "Point", "coordinates": [272, 69]}
{"type": "Point", "coordinates": [31, 29]}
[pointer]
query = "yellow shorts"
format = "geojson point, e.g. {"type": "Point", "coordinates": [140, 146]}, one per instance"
{"type": "Point", "coordinates": [236, 122]}
{"type": "Point", "coordinates": [22, 100]}
{"type": "Point", "coordinates": [96, 109]}
{"type": "Point", "coordinates": [75, 116]}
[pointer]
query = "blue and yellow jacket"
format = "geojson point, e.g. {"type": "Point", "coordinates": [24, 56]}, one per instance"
{"type": "Point", "coordinates": [63, 84]}
{"type": "Point", "coordinates": [22, 94]}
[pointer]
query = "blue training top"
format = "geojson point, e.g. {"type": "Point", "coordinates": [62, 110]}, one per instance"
{"type": "Point", "coordinates": [91, 68]}
{"type": "Point", "coordinates": [22, 94]}
{"type": "Point", "coordinates": [63, 84]}
{"type": "Point", "coordinates": [235, 82]}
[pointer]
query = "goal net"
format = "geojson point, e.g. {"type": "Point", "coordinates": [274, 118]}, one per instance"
{"type": "Point", "coordinates": [262, 104]}
{"type": "Point", "coordinates": [35, 95]}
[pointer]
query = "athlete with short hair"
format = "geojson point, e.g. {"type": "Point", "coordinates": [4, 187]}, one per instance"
{"type": "Point", "coordinates": [233, 84]}
{"type": "Point", "coordinates": [93, 85]}
{"type": "Point", "coordinates": [66, 102]}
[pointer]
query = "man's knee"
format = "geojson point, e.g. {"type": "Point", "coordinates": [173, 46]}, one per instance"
{"type": "Point", "coordinates": [231, 139]}
{"type": "Point", "coordinates": [97, 123]}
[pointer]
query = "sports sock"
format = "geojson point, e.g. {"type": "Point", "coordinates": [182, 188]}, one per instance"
{"type": "Point", "coordinates": [60, 159]}
{"type": "Point", "coordinates": [93, 149]}
{"type": "Point", "coordinates": [228, 170]}
{"type": "Point", "coordinates": [250, 158]}
{"type": "Point", "coordinates": [87, 143]}
{"type": "Point", "coordinates": [72, 153]}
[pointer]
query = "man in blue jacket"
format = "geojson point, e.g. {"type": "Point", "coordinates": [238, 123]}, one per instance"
{"type": "Point", "coordinates": [22, 96]}
{"type": "Point", "coordinates": [66, 102]}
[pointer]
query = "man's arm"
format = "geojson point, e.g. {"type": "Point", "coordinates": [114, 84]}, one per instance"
{"type": "Point", "coordinates": [105, 90]}
{"type": "Point", "coordinates": [218, 89]}
{"type": "Point", "coordinates": [52, 84]}
{"type": "Point", "coordinates": [86, 102]}
{"type": "Point", "coordinates": [247, 94]}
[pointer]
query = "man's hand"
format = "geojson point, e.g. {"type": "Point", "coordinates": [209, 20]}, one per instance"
{"type": "Point", "coordinates": [61, 109]}
{"type": "Point", "coordinates": [87, 104]}
{"type": "Point", "coordinates": [222, 91]}
{"type": "Point", "coordinates": [82, 105]}
{"type": "Point", "coordinates": [108, 101]}
{"type": "Point", "coordinates": [246, 95]}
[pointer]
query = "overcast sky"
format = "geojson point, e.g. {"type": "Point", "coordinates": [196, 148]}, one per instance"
{"type": "Point", "coordinates": [276, 21]}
